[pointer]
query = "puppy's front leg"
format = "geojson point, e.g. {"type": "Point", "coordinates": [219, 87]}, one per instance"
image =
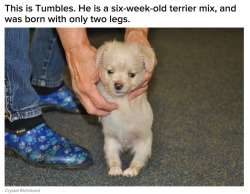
{"type": "Point", "coordinates": [112, 151]}
{"type": "Point", "coordinates": [142, 150]}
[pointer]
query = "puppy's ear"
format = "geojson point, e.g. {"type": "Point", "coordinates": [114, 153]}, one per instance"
{"type": "Point", "coordinates": [148, 57]}
{"type": "Point", "coordinates": [100, 52]}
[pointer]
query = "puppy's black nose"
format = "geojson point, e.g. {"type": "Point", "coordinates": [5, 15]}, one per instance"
{"type": "Point", "coordinates": [118, 86]}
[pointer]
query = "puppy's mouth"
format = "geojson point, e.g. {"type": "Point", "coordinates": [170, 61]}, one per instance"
{"type": "Point", "coordinates": [114, 92]}
{"type": "Point", "coordinates": [118, 93]}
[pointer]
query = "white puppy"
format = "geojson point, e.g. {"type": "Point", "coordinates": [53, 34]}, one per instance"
{"type": "Point", "coordinates": [122, 67]}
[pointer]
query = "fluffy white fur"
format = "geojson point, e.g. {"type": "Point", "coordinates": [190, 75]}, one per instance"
{"type": "Point", "coordinates": [122, 68]}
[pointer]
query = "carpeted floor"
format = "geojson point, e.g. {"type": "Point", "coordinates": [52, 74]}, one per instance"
{"type": "Point", "coordinates": [197, 97]}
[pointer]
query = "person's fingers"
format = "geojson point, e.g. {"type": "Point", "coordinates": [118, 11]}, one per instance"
{"type": "Point", "coordinates": [99, 101]}
{"type": "Point", "coordinates": [91, 109]}
{"type": "Point", "coordinates": [142, 85]}
{"type": "Point", "coordinates": [137, 92]}
{"type": "Point", "coordinates": [147, 76]}
{"type": "Point", "coordinates": [92, 100]}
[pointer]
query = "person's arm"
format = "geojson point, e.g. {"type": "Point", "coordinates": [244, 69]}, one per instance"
{"type": "Point", "coordinates": [81, 60]}
{"type": "Point", "coordinates": [139, 35]}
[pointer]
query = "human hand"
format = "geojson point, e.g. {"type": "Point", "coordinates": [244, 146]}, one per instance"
{"type": "Point", "coordinates": [139, 35]}
{"type": "Point", "coordinates": [84, 78]}
{"type": "Point", "coordinates": [81, 60]}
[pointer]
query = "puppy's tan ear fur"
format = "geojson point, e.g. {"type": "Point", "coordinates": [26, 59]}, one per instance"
{"type": "Point", "coordinates": [100, 53]}
{"type": "Point", "coordinates": [148, 57]}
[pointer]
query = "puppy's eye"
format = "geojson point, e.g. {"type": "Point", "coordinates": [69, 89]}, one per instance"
{"type": "Point", "coordinates": [110, 71]}
{"type": "Point", "coordinates": [131, 74]}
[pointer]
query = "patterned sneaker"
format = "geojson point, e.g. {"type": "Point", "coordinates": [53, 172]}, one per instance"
{"type": "Point", "coordinates": [63, 100]}
{"type": "Point", "coordinates": [41, 146]}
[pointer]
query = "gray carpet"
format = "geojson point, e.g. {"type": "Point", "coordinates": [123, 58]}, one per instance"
{"type": "Point", "coordinates": [197, 97]}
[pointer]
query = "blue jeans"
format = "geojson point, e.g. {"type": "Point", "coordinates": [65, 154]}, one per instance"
{"type": "Point", "coordinates": [43, 68]}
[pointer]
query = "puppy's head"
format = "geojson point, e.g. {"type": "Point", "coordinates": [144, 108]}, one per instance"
{"type": "Point", "coordinates": [122, 66]}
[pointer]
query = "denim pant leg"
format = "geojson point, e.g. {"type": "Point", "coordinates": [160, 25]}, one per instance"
{"type": "Point", "coordinates": [22, 101]}
{"type": "Point", "coordinates": [47, 58]}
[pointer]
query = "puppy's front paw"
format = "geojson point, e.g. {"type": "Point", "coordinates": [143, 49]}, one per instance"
{"type": "Point", "coordinates": [130, 172]}
{"type": "Point", "coordinates": [115, 171]}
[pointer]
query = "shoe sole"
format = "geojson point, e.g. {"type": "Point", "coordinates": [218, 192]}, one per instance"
{"type": "Point", "coordinates": [52, 107]}
{"type": "Point", "coordinates": [12, 152]}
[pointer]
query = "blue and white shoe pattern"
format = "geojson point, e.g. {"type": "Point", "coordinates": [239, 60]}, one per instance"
{"type": "Point", "coordinates": [63, 99]}
{"type": "Point", "coordinates": [41, 146]}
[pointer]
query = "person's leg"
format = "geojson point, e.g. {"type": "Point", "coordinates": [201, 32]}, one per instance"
{"type": "Point", "coordinates": [47, 58]}
{"type": "Point", "coordinates": [26, 133]}
{"type": "Point", "coordinates": [21, 98]}
{"type": "Point", "coordinates": [48, 61]}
